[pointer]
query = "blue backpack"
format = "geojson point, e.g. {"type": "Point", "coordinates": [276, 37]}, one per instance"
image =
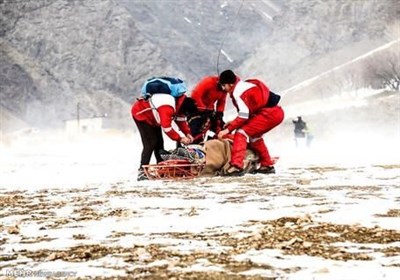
{"type": "Point", "coordinates": [167, 85]}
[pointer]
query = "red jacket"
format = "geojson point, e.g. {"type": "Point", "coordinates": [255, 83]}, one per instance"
{"type": "Point", "coordinates": [248, 97]}
{"type": "Point", "coordinates": [160, 110]}
{"type": "Point", "coordinates": [206, 94]}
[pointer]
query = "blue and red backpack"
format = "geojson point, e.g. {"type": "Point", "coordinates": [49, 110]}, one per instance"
{"type": "Point", "coordinates": [164, 85]}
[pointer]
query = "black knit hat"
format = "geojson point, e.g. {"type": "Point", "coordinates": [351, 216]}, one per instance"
{"type": "Point", "coordinates": [227, 77]}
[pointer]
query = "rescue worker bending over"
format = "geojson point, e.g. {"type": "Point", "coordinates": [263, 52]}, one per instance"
{"type": "Point", "coordinates": [157, 111]}
{"type": "Point", "coordinates": [210, 100]}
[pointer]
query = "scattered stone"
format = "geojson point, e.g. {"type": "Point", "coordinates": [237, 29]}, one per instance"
{"type": "Point", "coordinates": [13, 229]}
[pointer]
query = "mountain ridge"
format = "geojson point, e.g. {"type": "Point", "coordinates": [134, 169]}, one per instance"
{"type": "Point", "coordinates": [57, 53]}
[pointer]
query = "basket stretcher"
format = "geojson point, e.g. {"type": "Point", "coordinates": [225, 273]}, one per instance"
{"type": "Point", "coordinates": [173, 169]}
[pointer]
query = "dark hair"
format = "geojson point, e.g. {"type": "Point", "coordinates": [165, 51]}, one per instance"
{"type": "Point", "coordinates": [188, 107]}
{"type": "Point", "coordinates": [227, 77]}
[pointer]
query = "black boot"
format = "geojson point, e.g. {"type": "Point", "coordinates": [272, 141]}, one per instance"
{"type": "Point", "coordinates": [142, 175]}
{"type": "Point", "coordinates": [233, 171]}
{"type": "Point", "coordinates": [265, 170]}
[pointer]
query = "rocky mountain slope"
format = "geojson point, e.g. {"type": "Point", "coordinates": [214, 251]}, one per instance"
{"type": "Point", "coordinates": [55, 54]}
{"type": "Point", "coordinates": [192, 33]}
{"type": "Point", "coordinates": [315, 36]}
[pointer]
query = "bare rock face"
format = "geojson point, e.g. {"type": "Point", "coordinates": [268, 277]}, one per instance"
{"type": "Point", "coordinates": [55, 54]}
{"type": "Point", "coordinates": [202, 37]}
{"type": "Point", "coordinates": [311, 37]}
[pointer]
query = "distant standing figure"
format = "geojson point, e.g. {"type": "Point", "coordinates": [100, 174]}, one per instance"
{"type": "Point", "coordinates": [301, 131]}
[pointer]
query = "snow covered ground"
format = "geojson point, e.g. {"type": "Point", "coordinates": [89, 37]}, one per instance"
{"type": "Point", "coordinates": [71, 207]}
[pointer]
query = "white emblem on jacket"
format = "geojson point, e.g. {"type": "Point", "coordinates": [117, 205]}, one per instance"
{"type": "Point", "coordinates": [240, 88]}
{"type": "Point", "coordinates": [158, 100]}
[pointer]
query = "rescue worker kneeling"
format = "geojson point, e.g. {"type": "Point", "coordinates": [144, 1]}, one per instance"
{"type": "Point", "coordinates": [258, 113]}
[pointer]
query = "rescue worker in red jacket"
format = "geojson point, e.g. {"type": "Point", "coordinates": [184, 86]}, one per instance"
{"type": "Point", "coordinates": [156, 113]}
{"type": "Point", "coordinates": [258, 113]}
{"type": "Point", "coordinates": [210, 100]}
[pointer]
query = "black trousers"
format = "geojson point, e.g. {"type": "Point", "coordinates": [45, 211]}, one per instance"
{"type": "Point", "coordinates": [152, 140]}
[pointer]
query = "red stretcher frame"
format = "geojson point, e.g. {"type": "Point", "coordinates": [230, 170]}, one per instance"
{"type": "Point", "coordinates": [173, 169]}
